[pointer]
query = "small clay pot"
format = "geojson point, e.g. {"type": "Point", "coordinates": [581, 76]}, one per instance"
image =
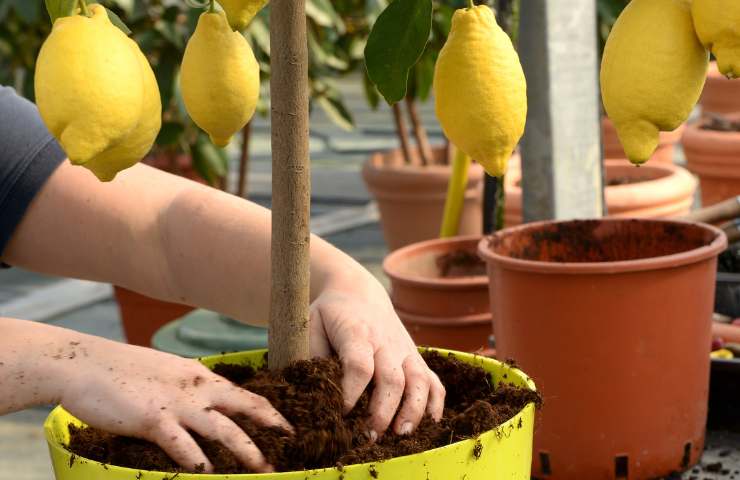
{"type": "Point", "coordinates": [720, 95]}
{"type": "Point", "coordinates": [713, 156]}
{"type": "Point", "coordinates": [655, 190]}
{"type": "Point", "coordinates": [411, 198]}
{"type": "Point", "coordinates": [142, 316]}
{"type": "Point", "coordinates": [613, 319]}
{"type": "Point", "coordinates": [450, 312]}
{"type": "Point", "coordinates": [613, 148]}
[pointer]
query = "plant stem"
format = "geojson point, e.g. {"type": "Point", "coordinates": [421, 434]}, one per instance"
{"type": "Point", "coordinates": [242, 186]}
{"type": "Point", "coordinates": [471, 4]}
{"type": "Point", "coordinates": [422, 141]}
{"type": "Point", "coordinates": [500, 202]}
{"type": "Point", "coordinates": [83, 8]}
{"type": "Point", "coordinates": [455, 195]}
{"type": "Point", "coordinates": [291, 184]}
{"type": "Point", "coordinates": [403, 135]}
{"type": "Point", "coordinates": [212, 7]}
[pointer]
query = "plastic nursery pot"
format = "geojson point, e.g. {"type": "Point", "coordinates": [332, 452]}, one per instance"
{"type": "Point", "coordinates": [142, 316]}
{"type": "Point", "coordinates": [654, 190]}
{"type": "Point", "coordinates": [411, 197]}
{"type": "Point", "coordinates": [613, 148]}
{"type": "Point", "coordinates": [452, 312]}
{"type": "Point", "coordinates": [506, 452]}
{"type": "Point", "coordinates": [720, 94]}
{"type": "Point", "coordinates": [613, 317]}
{"type": "Point", "coordinates": [713, 156]}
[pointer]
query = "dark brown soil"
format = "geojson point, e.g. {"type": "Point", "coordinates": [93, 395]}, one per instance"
{"type": "Point", "coordinates": [460, 263]}
{"type": "Point", "coordinates": [720, 123]}
{"type": "Point", "coordinates": [729, 260]}
{"type": "Point", "coordinates": [307, 394]}
{"type": "Point", "coordinates": [582, 241]}
{"type": "Point", "coordinates": [616, 181]}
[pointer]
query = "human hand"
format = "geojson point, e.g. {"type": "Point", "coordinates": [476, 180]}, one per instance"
{"type": "Point", "coordinates": [144, 393]}
{"type": "Point", "coordinates": [355, 318]}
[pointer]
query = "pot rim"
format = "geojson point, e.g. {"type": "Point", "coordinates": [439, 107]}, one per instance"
{"type": "Point", "coordinates": [434, 283]}
{"type": "Point", "coordinates": [448, 322]}
{"type": "Point", "coordinates": [718, 244]}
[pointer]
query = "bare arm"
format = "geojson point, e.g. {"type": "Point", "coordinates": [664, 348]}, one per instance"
{"type": "Point", "coordinates": [176, 240]}
{"type": "Point", "coordinates": [163, 236]}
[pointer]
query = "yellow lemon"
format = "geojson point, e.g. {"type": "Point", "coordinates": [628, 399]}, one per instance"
{"type": "Point", "coordinates": [97, 94]}
{"type": "Point", "coordinates": [652, 73]}
{"type": "Point", "coordinates": [241, 12]}
{"type": "Point", "coordinates": [219, 79]}
{"type": "Point", "coordinates": [717, 23]}
{"type": "Point", "coordinates": [480, 90]}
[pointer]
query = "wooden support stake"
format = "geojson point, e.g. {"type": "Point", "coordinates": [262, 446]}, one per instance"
{"type": "Point", "coordinates": [420, 133]}
{"type": "Point", "coordinates": [291, 184]}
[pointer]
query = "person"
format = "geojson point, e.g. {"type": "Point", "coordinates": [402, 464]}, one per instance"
{"type": "Point", "coordinates": [177, 240]}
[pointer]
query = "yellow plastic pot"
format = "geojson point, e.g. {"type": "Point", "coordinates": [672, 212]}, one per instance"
{"type": "Point", "coordinates": [504, 453]}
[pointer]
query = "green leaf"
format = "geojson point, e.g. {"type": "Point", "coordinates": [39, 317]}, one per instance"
{"type": "Point", "coordinates": [332, 105]}
{"type": "Point", "coordinates": [170, 133]}
{"type": "Point", "coordinates": [60, 8]}
{"type": "Point", "coordinates": [28, 10]}
{"type": "Point", "coordinates": [322, 12]}
{"type": "Point", "coordinates": [371, 93]}
{"type": "Point", "coordinates": [165, 71]}
{"type": "Point", "coordinates": [396, 42]}
{"type": "Point", "coordinates": [208, 161]}
{"type": "Point", "coordinates": [116, 20]}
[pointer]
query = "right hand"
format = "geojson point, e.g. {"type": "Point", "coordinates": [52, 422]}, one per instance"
{"type": "Point", "coordinates": [139, 392]}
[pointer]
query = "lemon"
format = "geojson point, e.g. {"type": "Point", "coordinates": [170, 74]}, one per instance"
{"type": "Point", "coordinates": [717, 23]}
{"type": "Point", "coordinates": [480, 90]}
{"type": "Point", "coordinates": [652, 73]}
{"type": "Point", "coordinates": [241, 12]}
{"type": "Point", "coordinates": [96, 93]}
{"type": "Point", "coordinates": [219, 79]}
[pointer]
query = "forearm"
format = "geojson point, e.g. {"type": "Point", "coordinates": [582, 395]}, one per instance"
{"type": "Point", "coordinates": [32, 359]}
{"type": "Point", "coordinates": [166, 237]}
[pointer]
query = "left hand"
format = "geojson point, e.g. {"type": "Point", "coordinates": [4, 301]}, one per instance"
{"type": "Point", "coordinates": [356, 320]}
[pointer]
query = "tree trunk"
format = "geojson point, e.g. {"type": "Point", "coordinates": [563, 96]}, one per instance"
{"type": "Point", "coordinates": [403, 134]}
{"type": "Point", "coordinates": [422, 141]}
{"type": "Point", "coordinates": [291, 184]}
{"type": "Point", "coordinates": [243, 185]}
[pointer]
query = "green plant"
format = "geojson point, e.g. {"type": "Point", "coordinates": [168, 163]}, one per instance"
{"type": "Point", "coordinates": [162, 28]}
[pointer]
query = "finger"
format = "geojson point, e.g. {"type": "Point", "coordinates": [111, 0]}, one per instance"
{"type": "Point", "coordinates": [389, 386]}
{"type": "Point", "coordinates": [358, 366]}
{"type": "Point", "coordinates": [214, 426]}
{"type": "Point", "coordinates": [180, 446]}
{"type": "Point", "coordinates": [234, 400]}
{"type": "Point", "coordinates": [437, 393]}
{"type": "Point", "coordinates": [415, 395]}
{"type": "Point", "coordinates": [318, 339]}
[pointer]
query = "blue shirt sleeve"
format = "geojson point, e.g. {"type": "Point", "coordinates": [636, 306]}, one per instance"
{"type": "Point", "coordinates": [29, 154]}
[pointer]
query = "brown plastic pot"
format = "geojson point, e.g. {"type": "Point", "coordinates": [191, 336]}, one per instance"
{"type": "Point", "coordinates": [613, 148]}
{"type": "Point", "coordinates": [142, 316]}
{"type": "Point", "coordinates": [411, 198]}
{"type": "Point", "coordinates": [659, 191]}
{"type": "Point", "coordinates": [720, 95]}
{"type": "Point", "coordinates": [452, 313]}
{"type": "Point", "coordinates": [612, 317]}
{"type": "Point", "coordinates": [713, 156]}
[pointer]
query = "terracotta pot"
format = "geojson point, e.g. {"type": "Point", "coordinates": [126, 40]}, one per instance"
{"type": "Point", "coordinates": [613, 148]}
{"type": "Point", "coordinates": [451, 312]}
{"type": "Point", "coordinates": [411, 198]}
{"type": "Point", "coordinates": [613, 319]}
{"type": "Point", "coordinates": [715, 157]}
{"type": "Point", "coordinates": [720, 95]}
{"type": "Point", "coordinates": [142, 316]}
{"type": "Point", "coordinates": [665, 191]}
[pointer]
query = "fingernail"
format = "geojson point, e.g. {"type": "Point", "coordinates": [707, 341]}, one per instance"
{"type": "Point", "coordinates": [373, 435]}
{"type": "Point", "coordinates": [406, 428]}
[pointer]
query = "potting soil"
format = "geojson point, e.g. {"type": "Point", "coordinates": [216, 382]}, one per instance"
{"type": "Point", "coordinates": [460, 263]}
{"type": "Point", "coordinates": [308, 395]}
